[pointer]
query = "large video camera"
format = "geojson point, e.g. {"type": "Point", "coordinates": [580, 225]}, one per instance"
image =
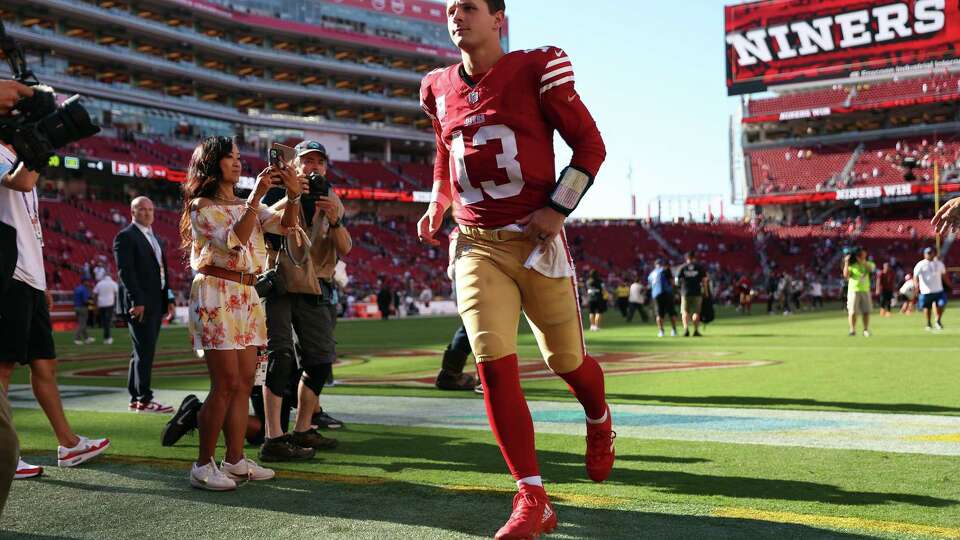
{"type": "Point", "coordinates": [319, 187]}
{"type": "Point", "coordinates": [37, 126]}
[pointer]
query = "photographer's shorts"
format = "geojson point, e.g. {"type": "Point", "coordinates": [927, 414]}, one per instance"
{"type": "Point", "coordinates": [313, 321]}
{"type": "Point", "coordinates": [25, 331]}
{"type": "Point", "coordinates": [691, 305]}
{"type": "Point", "coordinates": [859, 303]}
{"type": "Point", "coordinates": [666, 306]}
{"type": "Point", "coordinates": [939, 299]}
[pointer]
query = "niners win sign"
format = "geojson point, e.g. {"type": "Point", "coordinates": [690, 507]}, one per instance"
{"type": "Point", "coordinates": [774, 42]}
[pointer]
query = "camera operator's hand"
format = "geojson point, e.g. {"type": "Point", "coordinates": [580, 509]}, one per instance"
{"type": "Point", "coordinates": [10, 93]}
{"type": "Point", "coordinates": [329, 208]}
{"type": "Point", "coordinates": [948, 217]}
{"type": "Point", "coordinates": [136, 313]}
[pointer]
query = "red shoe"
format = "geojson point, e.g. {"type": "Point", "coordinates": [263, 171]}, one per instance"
{"type": "Point", "coordinates": [532, 515]}
{"type": "Point", "coordinates": [600, 451]}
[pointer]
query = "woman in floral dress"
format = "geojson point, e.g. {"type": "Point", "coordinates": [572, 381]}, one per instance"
{"type": "Point", "coordinates": [224, 236]}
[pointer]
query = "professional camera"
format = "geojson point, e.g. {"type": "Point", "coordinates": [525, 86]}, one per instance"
{"type": "Point", "coordinates": [319, 187]}
{"type": "Point", "coordinates": [36, 125]}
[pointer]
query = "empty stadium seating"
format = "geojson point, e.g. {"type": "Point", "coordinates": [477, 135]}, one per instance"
{"type": "Point", "coordinates": [796, 169]}
{"type": "Point", "coordinates": [865, 95]}
{"type": "Point", "coordinates": [834, 97]}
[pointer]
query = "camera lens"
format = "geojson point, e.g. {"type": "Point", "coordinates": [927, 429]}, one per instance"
{"type": "Point", "coordinates": [68, 124]}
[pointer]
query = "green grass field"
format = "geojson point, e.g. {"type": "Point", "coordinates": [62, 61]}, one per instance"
{"type": "Point", "coordinates": [809, 476]}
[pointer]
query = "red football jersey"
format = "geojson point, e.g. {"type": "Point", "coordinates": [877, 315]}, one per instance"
{"type": "Point", "coordinates": [495, 136]}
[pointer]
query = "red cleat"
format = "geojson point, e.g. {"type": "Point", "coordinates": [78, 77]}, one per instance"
{"type": "Point", "coordinates": [532, 515]}
{"type": "Point", "coordinates": [600, 451]}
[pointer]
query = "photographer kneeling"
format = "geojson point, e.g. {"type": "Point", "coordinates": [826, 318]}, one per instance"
{"type": "Point", "coordinates": [303, 300]}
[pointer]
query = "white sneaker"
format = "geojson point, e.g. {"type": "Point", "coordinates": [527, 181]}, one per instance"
{"type": "Point", "coordinates": [108, 341]}
{"type": "Point", "coordinates": [77, 342]}
{"type": "Point", "coordinates": [660, 333]}
{"type": "Point", "coordinates": [246, 469]}
{"type": "Point", "coordinates": [211, 478]}
{"type": "Point", "coordinates": [938, 326]}
{"type": "Point", "coordinates": [866, 333]}
{"type": "Point", "coordinates": [91, 340]}
{"type": "Point", "coordinates": [673, 333]}
{"type": "Point", "coordinates": [85, 450]}
{"type": "Point", "coordinates": [25, 470]}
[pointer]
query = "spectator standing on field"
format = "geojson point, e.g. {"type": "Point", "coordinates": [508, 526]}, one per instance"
{"type": "Point", "coordinates": [81, 299]}
{"type": "Point", "coordinates": [886, 285]}
{"type": "Point", "coordinates": [930, 277]}
{"type": "Point", "coordinates": [106, 293]}
{"type": "Point", "coordinates": [637, 297]}
{"type": "Point", "coordinates": [623, 298]}
{"type": "Point", "coordinates": [857, 270]}
{"type": "Point", "coordinates": [596, 301]}
{"type": "Point", "coordinates": [694, 285]}
{"type": "Point", "coordinates": [661, 288]}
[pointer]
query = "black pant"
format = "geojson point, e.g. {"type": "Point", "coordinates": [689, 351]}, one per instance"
{"type": "Point", "coordinates": [622, 305]}
{"type": "Point", "coordinates": [886, 300]}
{"type": "Point", "coordinates": [460, 343]}
{"type": "Point", "coordinates": [106, 320]}
{"type": "Point", "coordinates": [633, 309]}
{"type": "Point", "coordinates": [144, 335]}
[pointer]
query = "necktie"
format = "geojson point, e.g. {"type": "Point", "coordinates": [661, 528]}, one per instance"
{"type": "Point", "coordinates": [156, 251]}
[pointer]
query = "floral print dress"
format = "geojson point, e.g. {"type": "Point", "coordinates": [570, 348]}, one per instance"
{"type": "Point", "coordinates": [225, 315]}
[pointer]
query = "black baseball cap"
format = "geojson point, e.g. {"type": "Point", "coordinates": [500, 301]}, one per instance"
{"type": "Point", "coordinates": [306, 147]}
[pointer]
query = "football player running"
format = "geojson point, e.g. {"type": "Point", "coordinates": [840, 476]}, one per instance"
{"type": "Point", "coordinates": [494, 116]}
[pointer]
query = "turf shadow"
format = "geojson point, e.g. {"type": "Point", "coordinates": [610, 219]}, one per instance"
{"type": "Point", "coordinates": [440, 453]}
{"type": "Point", "coordinates": [475, 513]}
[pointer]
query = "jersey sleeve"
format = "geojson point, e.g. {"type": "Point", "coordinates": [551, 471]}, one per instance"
{"type": "Point", "coordinates": [565, 111]}
{"type": "Point", "coordinates": [441, 167]}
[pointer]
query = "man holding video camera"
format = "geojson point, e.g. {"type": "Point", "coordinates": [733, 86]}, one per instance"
{"type": "Point", "coordinates": [303, 300]}
{"type": "Point", "coordinates": [26, 334]}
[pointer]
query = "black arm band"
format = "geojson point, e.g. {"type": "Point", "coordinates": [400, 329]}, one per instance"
{"type": "Point", "coordinates": [570, 189]}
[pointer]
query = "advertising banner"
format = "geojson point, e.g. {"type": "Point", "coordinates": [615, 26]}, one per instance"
{"type": "Point", "coordinates": [776, 42]}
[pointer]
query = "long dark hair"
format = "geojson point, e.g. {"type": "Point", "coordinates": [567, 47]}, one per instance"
{"type": "Point", "coordinates": [203, 179]}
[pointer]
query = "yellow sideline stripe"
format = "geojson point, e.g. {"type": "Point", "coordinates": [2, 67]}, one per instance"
{"type": "Point", "coordinates": [945, 437]}
{"type": "Point", "coordinates": [837, 522]}
{"type": "Point", "coordinates": [572, 498]}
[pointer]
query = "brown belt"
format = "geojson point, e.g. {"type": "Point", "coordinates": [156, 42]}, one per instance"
{"type": "Point", "coordinates": [230, 275]}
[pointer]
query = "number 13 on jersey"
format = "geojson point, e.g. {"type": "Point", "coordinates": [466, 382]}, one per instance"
{"type": "Point", "coordinates": [470, 191]}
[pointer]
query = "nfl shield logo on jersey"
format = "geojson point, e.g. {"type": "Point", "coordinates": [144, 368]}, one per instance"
{"type": "Point", "coordinates": [473, 98]}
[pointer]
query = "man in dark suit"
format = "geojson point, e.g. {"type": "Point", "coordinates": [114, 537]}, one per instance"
{"type": "Point", "coordinates": [144, 299]}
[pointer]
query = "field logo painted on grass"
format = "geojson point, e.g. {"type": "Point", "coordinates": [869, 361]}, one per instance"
{"type": "Point", "coordinates": [614, 364]}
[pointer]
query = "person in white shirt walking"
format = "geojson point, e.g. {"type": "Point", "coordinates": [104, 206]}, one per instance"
{"type": "Point", "coordinates": [930, 276]}
{"type": "Point", "coordinates": [26, 334]}
{"type": "Point", "coordinates": [106, 294]}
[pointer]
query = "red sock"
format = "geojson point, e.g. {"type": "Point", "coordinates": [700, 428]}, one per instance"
{"type": "Point", "coordinates": [586, 383]}
{"type": "Point", "coordinates": [509, 415]}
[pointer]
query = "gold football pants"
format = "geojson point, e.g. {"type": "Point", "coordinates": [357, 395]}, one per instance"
{"type": "Point", "coordinates": [493, 286]}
